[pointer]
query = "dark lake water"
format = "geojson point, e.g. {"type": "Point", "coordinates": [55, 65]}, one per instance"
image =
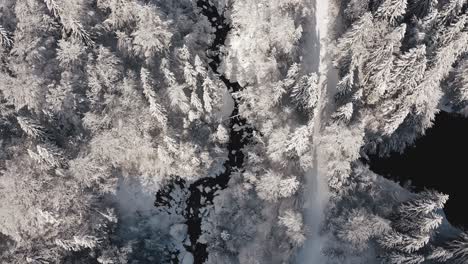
{"type": "Point", "coordinates": [438, 160]}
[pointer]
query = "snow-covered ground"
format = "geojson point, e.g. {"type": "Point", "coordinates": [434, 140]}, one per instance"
{"type": "Point", "coordinates": [317, 188]}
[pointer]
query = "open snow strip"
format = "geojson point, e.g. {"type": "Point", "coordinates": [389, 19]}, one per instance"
{"type": "Point", "coordinates": [317, 188]}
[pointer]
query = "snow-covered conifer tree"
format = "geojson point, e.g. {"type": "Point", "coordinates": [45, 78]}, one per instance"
{"type": "Point", "coordinates": [223, 131]}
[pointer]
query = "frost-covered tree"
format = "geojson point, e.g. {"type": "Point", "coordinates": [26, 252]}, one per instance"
{"type": "Point", "coordinates": [392, 63]}
{"type": "Point", "coordinates": [294, 226]}
{"type": "Point", "coordinates": [84, 112]}
{"type": "Point", "coordinates": [413, 227]}
{"type": "Point", "coordinates": [197, 131]}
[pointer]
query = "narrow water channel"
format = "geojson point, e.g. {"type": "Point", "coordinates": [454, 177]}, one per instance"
{"type": "Point", "coordinates": [239, 136]}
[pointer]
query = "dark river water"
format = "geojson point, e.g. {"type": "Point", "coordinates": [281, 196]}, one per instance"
{"type": "Point", "coordinates": [438, 160]}
{"type": "Point", "coordinates": [238, 138]}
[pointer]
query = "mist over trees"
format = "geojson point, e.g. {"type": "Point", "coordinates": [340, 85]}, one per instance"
{"type": "Point", "coordinates": [228, 131]}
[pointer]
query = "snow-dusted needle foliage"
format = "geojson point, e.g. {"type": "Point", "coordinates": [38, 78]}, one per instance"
{"type": "Point", "coordinates": [223, 131]}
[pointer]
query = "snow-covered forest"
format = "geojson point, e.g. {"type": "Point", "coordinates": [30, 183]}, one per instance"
{"type": "Point", "coordinates": [224, 131]}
